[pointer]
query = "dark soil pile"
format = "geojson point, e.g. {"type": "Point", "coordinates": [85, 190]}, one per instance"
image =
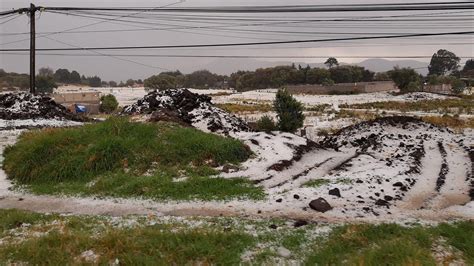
{"type": "Point", "coordinates": [28, 106]}
{"type": "Point", "coordinates": [184, 107]}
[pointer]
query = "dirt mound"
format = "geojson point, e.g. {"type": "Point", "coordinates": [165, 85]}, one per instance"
{"type": "Point", "coordinates": [354, 135]}
{"type": "Point", "coordinates": [183, 106]}
{"type": "Point", "coordinates": [28, 106]}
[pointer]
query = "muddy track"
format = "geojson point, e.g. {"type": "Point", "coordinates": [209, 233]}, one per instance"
{"type": "Point", "coordinates": [444, 167]}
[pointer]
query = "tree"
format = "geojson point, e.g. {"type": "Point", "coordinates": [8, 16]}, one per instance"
{"type": "Point", "coordinates": [266, 124]}
{"type": "Point", "coordinates": [317, 75]}
{"type": "Point", "coordinates": [94, 81]}
{"type": "Point", "coordinates": [407, 79]}
{"type": "Point", "coordinates": [62, 75]}
{"type": "Point", "coordinates": [160, 82]}
{"type": "Point", "coordinates": [341, 74]}
{"type": "Point", "coordinates": [112, 83]}
{"type": "Point", "coordinates": [443, 62]}
{"type": "Point", "coordinates": [331, 62]}
{"type": "Point", "coordinates": [201, 79]}
{"type": "Point", "coordinates": [289, 111]}
{"type": "Point", "coordinates": [130, 82]}
{"type": "Point", "coordinates": [45, 84]}
{"type": "Point", "coordinates": [75, 78]}
{"type": "Point", "coordinates": [45, 72]}
{"type": "Point", "coordinates": [469, 65]}
{"type": "Point", "coordinates": [108, 103]}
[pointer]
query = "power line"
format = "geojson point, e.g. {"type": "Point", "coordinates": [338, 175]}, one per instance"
{"type": "Point", "coordinates": [108, 55]}
{"type": "Point", "coordinates": [245, 56]}
{"type": "Point", "coordinates": [297, 9]}
{"type": "Point", "coordinates": [245, 44]}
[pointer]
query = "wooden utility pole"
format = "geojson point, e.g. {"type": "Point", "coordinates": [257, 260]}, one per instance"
{"type": "Point", "coordinates": [32, 12]}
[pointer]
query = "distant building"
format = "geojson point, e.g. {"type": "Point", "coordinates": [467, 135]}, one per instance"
{"type": "Point", "coordinates": [344, 88]}
{"type": "Point", "coordinates": [91, 100]}
{"type": "Point", "coordinates": [441, 88]}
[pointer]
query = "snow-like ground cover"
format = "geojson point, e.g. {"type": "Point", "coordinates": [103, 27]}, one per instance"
{"type": "Point", "coordinates": [393, 168]}
{"type": "Point", "coordinates": [127, 95]}
{"type": "Point", "coordinates": [382, 171]}
{"type": "Point", "coordinates": [335, 100]}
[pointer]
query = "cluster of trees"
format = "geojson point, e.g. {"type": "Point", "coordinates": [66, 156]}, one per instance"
{"type": "Point", "coordinates": [444, 68]}
{"type": "Point", "coordinates": [200, 79]}
{"type": "Point", "coordinates": [274, 77]}
{"type": "Point", "coordinates": [14, 80]}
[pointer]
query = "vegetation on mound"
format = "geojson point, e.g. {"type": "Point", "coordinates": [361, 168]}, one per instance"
{"type": "Point", "coordinates": [121, 158]}
{"type": "Point", "coordinates": [56, 239]}
{"type": "Point", "coordinates": [242, 108]}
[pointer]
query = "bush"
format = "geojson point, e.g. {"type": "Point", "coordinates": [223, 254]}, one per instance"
{"type": "Point", "coordinates": [108, 103]}
{"type": "Point", "coordinates": [266, 124]}
{"type": "Point", "coordinates": [45, 84]}
{"type": "Point", "coordinates": [289, 111]}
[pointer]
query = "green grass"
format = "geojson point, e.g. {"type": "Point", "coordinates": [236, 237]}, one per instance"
{"type": "Point", "coordinates": [390, 243]}
{"type": "Point", "coordinates": [125, 159]}
{"type": "Point", "coordinates": [152, 240]}
{"type": "Point", "coordinates": [144, 245]}
{"type": "Point", "coordinates": [322, 182]}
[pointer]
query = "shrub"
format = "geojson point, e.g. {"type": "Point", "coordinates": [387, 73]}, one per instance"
{"type": "Point", "coordinates": [289, 111]}
{"type": "Point", "coordinates": [45, 84]}
{"type": "Point", "coordinates": [108, 103]}
{"type": "Point", "coordinates": [266, 124]}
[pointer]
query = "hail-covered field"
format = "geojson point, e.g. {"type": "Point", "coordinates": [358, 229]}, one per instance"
{"type": "Point", "coordinates": [358, 187]}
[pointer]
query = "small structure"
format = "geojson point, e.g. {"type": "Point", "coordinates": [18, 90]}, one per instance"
{"type": "Point", "coordinates": [343, 88]}
{"type": "Point", "coordinates": [440, 88]}
{"type": "Point", "coordinates": [89, 100]}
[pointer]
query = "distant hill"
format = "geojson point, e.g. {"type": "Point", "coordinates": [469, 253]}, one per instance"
{"type": "Point", "coordinates": [228, 66]}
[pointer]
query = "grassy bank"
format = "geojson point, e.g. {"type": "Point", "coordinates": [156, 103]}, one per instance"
{"type": "Point", "coordinates": [53, 239]}
{"type": "Point", "coordinates": [121, 158]}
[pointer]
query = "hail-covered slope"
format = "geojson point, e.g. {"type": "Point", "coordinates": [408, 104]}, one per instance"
{"type": "Point", "coordinates": [389, 165]}
{"type": "Point", "coordinates": [188, 108]}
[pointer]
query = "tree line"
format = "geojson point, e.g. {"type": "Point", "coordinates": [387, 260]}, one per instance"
{"type": "Point", "coordinates": [444, 68]}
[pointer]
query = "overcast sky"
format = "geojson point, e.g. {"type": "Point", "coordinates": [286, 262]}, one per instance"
{"type": "Point", "coordinates": [114, 69]}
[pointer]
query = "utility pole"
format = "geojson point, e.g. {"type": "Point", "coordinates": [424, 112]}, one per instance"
{"type": "Point", "coordinates": [32, 12]}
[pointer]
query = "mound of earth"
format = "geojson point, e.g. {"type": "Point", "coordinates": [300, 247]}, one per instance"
{"type": "Point", "coordinates": [185, 107]}
{"type": "Point", "coordinates": [22, 106]}
{"type": "Point", "coordinates": [392, 165]}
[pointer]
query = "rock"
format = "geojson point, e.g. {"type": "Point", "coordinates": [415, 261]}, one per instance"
{"type": "Point", "coordinates": [398, 184]}
{"type": "Point", "coordinates": [388, 198]}
{"type": "Point", "coordinates": [381, 202]}
{"type": "Point", "coordinates": [296, 196]}
{"type": "Point", "coordinates": [320, 205]}
{"type": "Point", "coordinates": [335, 192]}
{"type": "Point", "coordinates": [89, 256]}
{"type": "Point", "coordinates": [283, 252]}
{"type": "Point", "coordinates": [273, 226]}
{"type": "Point", "coordinates": [228, 168]}
{"type": "Point", "coordinates": [279, 200]}
{"type": "Point", "coordinates": [300, 223]}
